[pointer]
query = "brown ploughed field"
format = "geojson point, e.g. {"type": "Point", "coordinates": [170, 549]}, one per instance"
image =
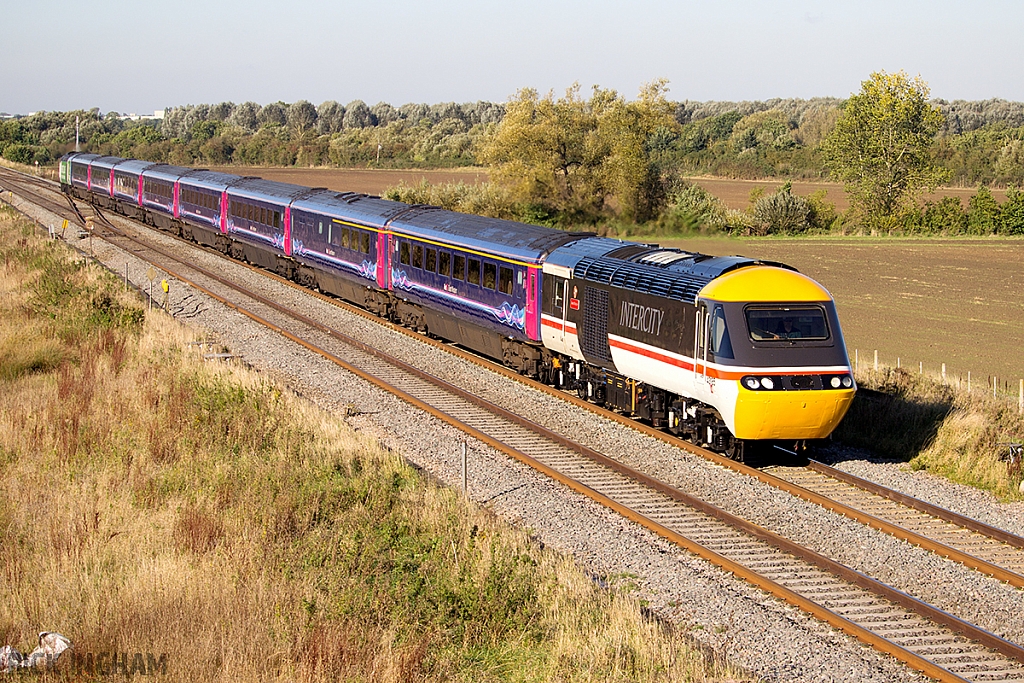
{"type": "Point", "coordinates": [371, 181]}
{"type": "Point", "coordinates": [953, 301]}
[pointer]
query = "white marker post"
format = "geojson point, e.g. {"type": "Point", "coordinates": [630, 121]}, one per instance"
{"type": "Point", "coordinates": [465, 468]}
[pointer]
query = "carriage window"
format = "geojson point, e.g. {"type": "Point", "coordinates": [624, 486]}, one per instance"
{"type": "Point", "coordinates": [432, 260]}
{"type": "Point", "coordinates": [459, 267]}
{"type": "Point", "coordinates": [490, 275]}
{"type": "Point", "coordinates": [444, 262]}
{"type": "Point", "coordinates": [403, 253]}
{"type": "Point", "coordinates": [277, 219]}
{"type": "Point", "coordinates": [343, 237]}
{"type": "Point", "coordinates": [366, 242]}
{"type": "Point", "coordinates": [721, 345]}
{"type": "Point", "coordinates": [505, 281]}
{"type": "Point", "coordinates": [473, 275]}
{"type": "Point", "coordinates": [777, 323]}
{"type": "Point", "coordinates": [417, 256]}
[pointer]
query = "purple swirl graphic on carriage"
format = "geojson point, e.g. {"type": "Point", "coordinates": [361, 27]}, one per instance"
{"type": "Point", "coordinates": [366, 269]}
{"type": "Point", "coordinates": [277, 241]}
{"type": "Point", "coordinates": [511, 315]}
{"type": "Point", "coordinates": [507, 314]}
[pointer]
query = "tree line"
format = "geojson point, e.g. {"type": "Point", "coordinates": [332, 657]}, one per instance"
{"type": "Point", "coordinates": [602, 159]}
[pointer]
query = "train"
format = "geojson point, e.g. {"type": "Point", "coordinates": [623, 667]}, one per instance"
{"type": "Point", "coordinates": [727, 352]}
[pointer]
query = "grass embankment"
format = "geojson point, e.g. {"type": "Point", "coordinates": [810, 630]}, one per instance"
{"type": "Point", "coordinates": [936, 427]}
{"type": "Point", "coordinates": [153, 503]}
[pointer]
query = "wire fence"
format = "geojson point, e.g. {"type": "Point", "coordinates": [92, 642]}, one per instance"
{"type": "Point", "coordinates": [991, 385]}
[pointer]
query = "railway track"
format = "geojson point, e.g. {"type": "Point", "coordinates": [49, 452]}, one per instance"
{"type": "Point", "coordinates": [927, 639]}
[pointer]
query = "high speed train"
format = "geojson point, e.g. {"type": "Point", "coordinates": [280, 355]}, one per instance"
{"type": "Point", "coordinates": [724, 351]}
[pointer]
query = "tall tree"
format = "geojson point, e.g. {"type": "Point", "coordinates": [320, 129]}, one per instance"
{"type": "Point", "coordinates": [547, 151]}
{"type": "Point", "coordinates": [881, 146]}
{"type": "Point", "coordinates": [570, 155]}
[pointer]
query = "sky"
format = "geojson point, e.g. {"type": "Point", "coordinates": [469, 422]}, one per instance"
{"type": "Point", "coordinates": [136, 57]}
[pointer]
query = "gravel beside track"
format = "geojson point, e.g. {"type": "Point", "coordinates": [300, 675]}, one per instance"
{"type": "Point", "coordinates": [773, 640]}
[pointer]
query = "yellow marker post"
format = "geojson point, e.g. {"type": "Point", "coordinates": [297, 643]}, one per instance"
{"type": "Point", "coordinates": [167, 288]}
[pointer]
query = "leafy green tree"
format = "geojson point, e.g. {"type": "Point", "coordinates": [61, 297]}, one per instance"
{"type": "Point", "coordinates": [572, 155]}
{"type": "Point", "coordinates": [880, 146]}
{"type": "Point", "coordinates": [1012, 213]}
{"type": "Point", "coordinates": [631, 171]}
{"type": "Point", "coordinates": [301, 116]}
{"type": "Point", "coordinates": [548, 152]}
{"type": "Point", "coordinates": [762, 130]}
{"type": "Point", "coordinates": [983, 213]}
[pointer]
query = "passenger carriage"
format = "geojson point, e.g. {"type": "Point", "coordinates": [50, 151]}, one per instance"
{"type": "Point", "coordinates": [201, 199]}
{"type": "Point", "coordinates": [340, 243]}
{"type": "Point", "coordinates": [160, 194]}
{"type": "Point", "coordinates": [476, 280]}
{"type": "Point", "coordinates": [127, 190]}
{"type": "Point", "coordinates": [257, 222]}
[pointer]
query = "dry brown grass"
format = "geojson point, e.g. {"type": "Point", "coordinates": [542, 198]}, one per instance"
{"type": "Point", "coordinates": [153, 503]}
{"type": "Point", "coordinates": [937, 427]}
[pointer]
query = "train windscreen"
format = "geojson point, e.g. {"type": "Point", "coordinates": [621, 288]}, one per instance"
{"type": "Point", "coordinates": [789, 322]}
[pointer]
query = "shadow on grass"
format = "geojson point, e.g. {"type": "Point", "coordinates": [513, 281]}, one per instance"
{"type": "Point", "coordinates": [895, 414]}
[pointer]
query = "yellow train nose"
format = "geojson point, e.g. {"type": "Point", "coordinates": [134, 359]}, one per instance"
{"type": "Point", "coordinates": [790, 414]}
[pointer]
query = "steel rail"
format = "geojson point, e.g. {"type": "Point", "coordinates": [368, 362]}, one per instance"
{"type": "Point", "coordinates": [918, 504]}
{"type": "Point", "coordinates": [989, 640]}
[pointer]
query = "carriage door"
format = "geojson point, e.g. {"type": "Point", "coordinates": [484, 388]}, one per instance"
{"type": "Point", "coordinates": [555, 300]}
{"type": "Point", "coordinates": [700, 341]}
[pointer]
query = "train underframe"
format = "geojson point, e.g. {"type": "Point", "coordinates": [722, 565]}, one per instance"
{"type": "Point", "coordinates": [688, 419]}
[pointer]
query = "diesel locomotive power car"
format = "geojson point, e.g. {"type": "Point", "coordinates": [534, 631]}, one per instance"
{"type": "Point", "coordinates": [722, 351]}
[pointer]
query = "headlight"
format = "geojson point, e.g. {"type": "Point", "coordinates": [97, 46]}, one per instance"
{"type": "Point", "coordinates": [836, 382]}
{"type": "Point", "coordinates": [752, 382]}
{"type": "Point", "coordinates": [767, 383]}
{"type": "Point", "coordinates": [847, 381]}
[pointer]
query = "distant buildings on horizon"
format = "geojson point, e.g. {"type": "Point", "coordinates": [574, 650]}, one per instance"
{"type": "Point", "coordinates": [158, 115]}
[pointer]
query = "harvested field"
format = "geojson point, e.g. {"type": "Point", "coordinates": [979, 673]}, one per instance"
{"type": "Point", "coordinates": [368, 180]}
{"type": "Point", "coordinates": [959, 302]}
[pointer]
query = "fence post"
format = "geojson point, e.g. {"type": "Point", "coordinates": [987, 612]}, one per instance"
{"type": "Point", "coordinates": [897, 362]}
{"type": "Point", "coordinates": [856, 359]}
{"type": "Point", "coordinates": [876, 360]}
{"type": "Point", "coordinates": [1020, 398]}
{"type": "Point", "coordinates": [464, 468]}
{"type": "Point", "coordinates": [968, 381]}
{"type": "Point", "coordinates": [920, 367]}
{"type": "Point", "coordinates": [943, 373]}
{"type": "Point", "coordinates": [995, 384]}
